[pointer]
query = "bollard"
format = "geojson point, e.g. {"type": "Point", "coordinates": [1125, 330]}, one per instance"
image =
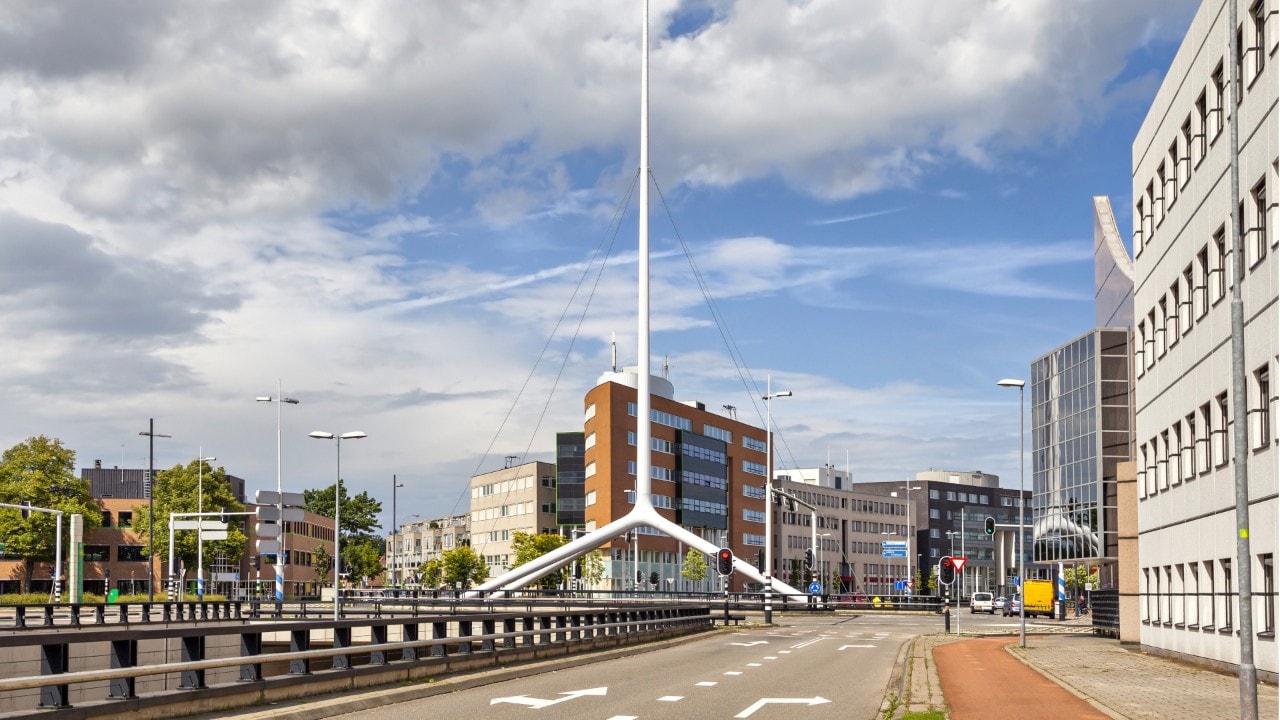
{"type": "Point", "coordinates": [946, 619]}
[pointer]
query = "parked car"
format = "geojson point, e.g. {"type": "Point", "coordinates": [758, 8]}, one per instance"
{"type": "Point", "coordinates": [982, 602]}
{"type": "Point", "coordinates": [997, 605]}
{"type": "Point", "coordinates": [1013, 606]}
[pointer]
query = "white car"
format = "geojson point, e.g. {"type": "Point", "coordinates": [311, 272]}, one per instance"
{"type": "Point", "coordinates": [982, 602]}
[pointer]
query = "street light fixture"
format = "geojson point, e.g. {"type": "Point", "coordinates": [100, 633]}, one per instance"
{"type": "Point", "coordinates": [394, 555]}
{"type": "Point", "coordinates": [151, 435]}
{"type": "Point", "coordinates": [200, 461]}
{"type": "Point", "coordinates": [282, 555]}
{"type": "Point", "coordinates": [1022, 579]}
{"type": "Point", "coordinates": [337, 513]}
{"type": "Point", "coordinates": [768, 498]}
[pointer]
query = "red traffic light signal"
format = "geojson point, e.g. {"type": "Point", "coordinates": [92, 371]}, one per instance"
{"type": "Point", "coordinates": [946, 571]}
{"type": "Point", "coordinates": [724, 561]}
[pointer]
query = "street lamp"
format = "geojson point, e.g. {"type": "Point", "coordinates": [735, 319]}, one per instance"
{"type": "Point", "coordinates": [337, 513]}
{"type": "Point", "coordinates": [1022, 579]}
{"type": "Point", "coordinates": [951, 535]}
{"type": "Point", "coordinates": [395, 546]}
{"type": "Point", "coordinates": [151, 436]}
{"type": "Point", "coordinates": [768, 498]}
{"type": "Point", "coordinates": [200, 461]}
{"type": "Point", "coordinates": [911, 578]}
{"type": "Point", "coordinates": [281, 555]}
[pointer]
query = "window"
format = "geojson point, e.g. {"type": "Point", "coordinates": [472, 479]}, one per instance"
{"type": "Point", "coordinates": [1211, 599]}
{"type": "Point", "coordinates": [751, 443]}
{"type": "Point", "coordinates": [590, 499]}
{"type": "Point", "coordinates": [1206, 422]}
{"type": "Point", "coordinates": [129, 553]}
{"type": "Point", "coordinates": [752, 515]}
{"type": "Point", "coordinates": [1175, 455]}
{"type": "Point", "coordinates": [1165, 334]}
{"type": "Point", "coordinates": [106, 518]}
{"type": "Point", "coordinates": [1140, 227]}
{"type": "Point", "coordinates": [98, 553]}
{"type": "Point", "coordinates": [1140, 349]}
{"type": "Point", "coordinates": [1258, 13]}
{"type": "Point", "coordinates": [1200, 290]}
{"type": "Point", "coordinates": [1162, 461]}
{"type": "Point", "coordinates": [126, 518]}
{"type": "Point", "coordinates": [1259, 229]}
{"type": "Point", "coordinates": [934, 494]}
{"type": "Point", "coordinates": [1155, 195]}
{"type": "Point", "coordinates": [1186, 313]}
{"type": "Point", "coordinates": [1268, 594]}
{"type": "Point", "coordinates": [1262, 413]}
{"type": "Point", "coordinates": [1218, 273]}
{"type": "Point", "coordinates": [1240, 51]}
{"type": "Point", "coordinates": [933, 513]}
{"type": "Point", "coordinates": [753, 491]}
{"type": "Point", "coordinates": [712, 431]}
{"type": "Point", "coordinates": [1226, 594]}
{"type": "Point", "coordinates": [754, 468]}
{"type": "Point", "coordinates": [1223, 448]}
{"type": "Point", "coordinates": [1155, 342]}
{"type": "Point", "coordinates": [1171, 189]}
{"type": "Point", "coordinates": [1184, 163]}
{"type": "Point", "coordinates": [1219, 98]}
{"type": "Point", "coordinates": [1175, 313]}
{"type": "Point", "coordinates": [1202, 112]}
{"type": "Point", "coordinates": [1190, 466]}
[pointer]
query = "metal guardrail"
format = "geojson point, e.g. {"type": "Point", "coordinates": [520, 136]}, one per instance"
{"type": "Point", "coordinates": [260, 671]}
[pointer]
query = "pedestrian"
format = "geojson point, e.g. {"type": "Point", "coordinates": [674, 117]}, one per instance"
{"type": "Point", "coordinates": [1081, 605]}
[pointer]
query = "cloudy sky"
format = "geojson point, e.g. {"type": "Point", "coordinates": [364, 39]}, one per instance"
{"type": "Point", "coordinates": [420, 219]}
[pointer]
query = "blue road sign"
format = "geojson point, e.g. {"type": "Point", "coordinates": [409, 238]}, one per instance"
{"type": "Point", "coordinates": [815, 588]}
{"type": "Point", "coordinates": [894, 552]}
{"type": "Point", "coordinates": [900, 585]}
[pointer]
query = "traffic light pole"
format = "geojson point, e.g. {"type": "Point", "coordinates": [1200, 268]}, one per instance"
{"type": "Point", "coordinates": [27, 508]}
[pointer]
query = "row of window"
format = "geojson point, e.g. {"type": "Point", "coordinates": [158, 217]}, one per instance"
{"type": "Point", "coordinates": [502, 487]}
{"type": "Point", "coordinates": [1202, 283]}
{"type": "Point", "coordinates": [1201, 128]}
{"type": "Point", "coordinates": [971, 498]}
{"type": "Point", "coordinates": [1201, 440]}
{"type": "Point", "coordinates": [508, 510]}
{"type": "Point", "coordinates": [1201, 595]}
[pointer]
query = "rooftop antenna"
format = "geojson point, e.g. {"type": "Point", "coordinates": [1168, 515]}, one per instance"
{"type": "Point", "coordinates": [613, 351]}
{"type": "Point", "coordinates": [730, 410]}
{"type": "Point", "coordinates": [666, 367]}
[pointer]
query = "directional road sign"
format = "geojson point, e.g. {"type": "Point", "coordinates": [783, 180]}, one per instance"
{"type": "Point", "coordinates": [958, 563]}
{"type": "Point", "coordinates": [206, 525]}
{"type": "Point", "coordinates": [271, 497]}
{"type": "Point", "coordinates": [815, 588]}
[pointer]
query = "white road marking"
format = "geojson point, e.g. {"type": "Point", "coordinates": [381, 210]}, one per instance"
{"type": "Point", "coordinates": [855, 646]}
{"type": "Point", "coordinates": [539, 703]}
{"type": "Point", "coordinates": [707, 683]}
{"type": "Point", "coordinates": [815, 700]}
{"type": "Point", "coordinates": [671, 698]}
{"type": "Point", "coordinates": [753, 664]}
{"type": "Point", "coordinates": [733, 672]}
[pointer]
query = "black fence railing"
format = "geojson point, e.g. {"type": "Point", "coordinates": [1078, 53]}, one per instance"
{"type": "Point", "coordinates": [146, 669]}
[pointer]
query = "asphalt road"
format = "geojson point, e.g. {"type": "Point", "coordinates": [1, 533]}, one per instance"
{"type": "Point", "coordinates": [825, 667]}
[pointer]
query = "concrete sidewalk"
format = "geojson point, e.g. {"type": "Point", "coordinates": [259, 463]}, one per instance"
{"type": "Point", "coordinates": [1121, 682]}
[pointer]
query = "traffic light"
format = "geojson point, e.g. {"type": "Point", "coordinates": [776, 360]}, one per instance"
{"type": "Point", "coordinates": [808, 558]}
{"type": "Point", "coordinates": [577, 570]}
{"type": "Point", "coordinates": [946, 571]}
{"type": "Point", "coordinates": [760, 560]}
{"type": "Point", "coordinates": [639, 577]}
{"type": "Point", "coordinates": [257, 562]}
{"type": "Point", "coordinates": [653, 578]}
{"type": "Point", "coordinates": [990, 525]}
{"type": "Point", "coordinates": [724, 562]}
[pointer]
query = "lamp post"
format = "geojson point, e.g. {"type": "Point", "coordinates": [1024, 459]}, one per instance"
{"type": "Point", "coordinates": [911, 578]}
{"type": "Point", "coordinates": [200, 460]}
{"type": "Point", "coordinates": [281, 556]}
{"type": "Point", "coordinates": [337, 513]}
{"type": "Point", "coordinates": [395, 545]}
{"type": "Point", "coordinates": [1022, 604]}
{"type": "Point", "coordinates": [768, 498]}
{"type": "Point", "coordinates": [151, 436]}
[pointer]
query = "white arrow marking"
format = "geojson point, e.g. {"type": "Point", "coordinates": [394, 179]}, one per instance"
{"type": "Point", "coordinates": [757, 642]}
{"type": "Point", "coordinates": [856, 646]}
{"type": "Point", "coordinates": [815, 700]}
{"type": "Point", "coordinates": [539, 703]}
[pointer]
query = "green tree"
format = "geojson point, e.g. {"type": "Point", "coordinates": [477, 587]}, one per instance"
{"type": "Point", "coordinates": [359, 514]}
{"type": "Point", "coordinates": [1077, 576]}
{"type": "Point", "coordinates": [431, 573]}
{"type": "Point", "coordinates": [463, 565]}
{"type": "Point", "coordinates": [695, 566]}
{"type": "Point", "coordinates": [363, 558]}
{"type": "Point", "coordinates": [322, 563]}
{"type": "Point", "coordinates": [530, 547]}
{"type": "Point", "coordinates": [183, 489]}
{"type": "Point", "coordinates": [42, 472]}
{"type": "Point", "coordinates": [593, 568]}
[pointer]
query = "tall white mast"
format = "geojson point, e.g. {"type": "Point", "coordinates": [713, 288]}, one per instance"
{"type": "Point", "coordinates": [643, 402]}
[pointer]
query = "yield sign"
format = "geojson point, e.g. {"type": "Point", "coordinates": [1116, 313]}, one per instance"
{"type": "Point", "coordinates": [958, 563]}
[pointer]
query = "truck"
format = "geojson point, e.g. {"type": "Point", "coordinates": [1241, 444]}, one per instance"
{"type": "Point", "coordinates": [1038, 597]}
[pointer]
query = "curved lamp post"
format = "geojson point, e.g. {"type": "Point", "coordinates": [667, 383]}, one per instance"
{"type": "Point", "coordinates": [337, 513]}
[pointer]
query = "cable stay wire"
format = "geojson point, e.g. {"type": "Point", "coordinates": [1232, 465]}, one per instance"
{"type": "Point", "coordinates": [600, 255]}
{"type": "Point", "coordinates": [749, 383]}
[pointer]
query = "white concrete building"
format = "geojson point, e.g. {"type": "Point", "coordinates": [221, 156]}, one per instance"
{"type": "Point", "coordinates": [521, 498]}
{"type": "Point", "coordinates": [1185, 267]}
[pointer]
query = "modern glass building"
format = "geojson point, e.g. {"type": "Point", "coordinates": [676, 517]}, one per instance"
{"type": "Point", "coordinates": [1080, 422]}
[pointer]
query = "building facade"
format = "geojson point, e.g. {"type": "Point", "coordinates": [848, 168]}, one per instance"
{"type": "Point", "coordinates": [427, 539]}
{"type": "Point", "coordinates": [1186, 267]}
{"type": "Point", "coordinates": [515, 499]}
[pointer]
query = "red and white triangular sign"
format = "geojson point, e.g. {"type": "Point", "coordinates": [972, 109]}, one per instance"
{"type": "Point", "coordinates": [958, 563]}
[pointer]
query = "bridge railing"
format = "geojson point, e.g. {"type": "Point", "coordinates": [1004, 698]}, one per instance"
{"type": "Point", "coordinates": [224, 665]}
